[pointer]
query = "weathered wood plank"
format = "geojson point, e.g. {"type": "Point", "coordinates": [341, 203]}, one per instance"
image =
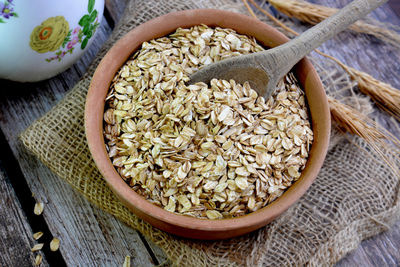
{"type": "Point", "coordinates": [382, 250]}
{"type": "Point", "coordinates": [116, 8]}
{"type": "Point", "coordinates": [389, 242]}
{"type": "Point", "coordinates": [16, 234]}
{"type": "Point", "coordinates": [395, 5]}
{"type": "Point", "coordinates": [89, 237]}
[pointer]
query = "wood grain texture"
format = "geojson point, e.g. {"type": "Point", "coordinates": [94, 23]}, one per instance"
{"type": "Point", "coordinates": [89, 237]}
{"type": "Point", "coordinates": [16, 234]}
{"type": "Point", "coordinates": [115, 9]}
{"type": "Point", "coordinates": [381, 250]}
{"type": "Point", "coordinates": [395, 5]}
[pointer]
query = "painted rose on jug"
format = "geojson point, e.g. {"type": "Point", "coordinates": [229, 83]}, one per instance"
{"type": "Point", "coordinates": [49, 35]}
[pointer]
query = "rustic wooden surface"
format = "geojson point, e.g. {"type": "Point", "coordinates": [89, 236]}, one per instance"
{"type": "Point", "coordinates": [15, 231]}
{"type": "Point", "coordinates": [91, 237]}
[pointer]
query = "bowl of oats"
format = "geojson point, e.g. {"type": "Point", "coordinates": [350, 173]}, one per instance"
{"type": "Point", "coordinates": [205, 161]}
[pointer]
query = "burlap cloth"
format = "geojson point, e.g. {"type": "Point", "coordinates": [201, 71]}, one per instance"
{"type": "Point", "coordinates": [354, 197]}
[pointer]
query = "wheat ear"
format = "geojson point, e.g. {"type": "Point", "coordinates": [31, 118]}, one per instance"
{"type": "Point", "coordinates": [384, 95]}
{"type": "Point", "coordinates": [352, 121]}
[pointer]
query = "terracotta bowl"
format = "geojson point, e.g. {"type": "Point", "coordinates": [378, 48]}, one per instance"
{"type": "Point", "coordinates": [183, 225]}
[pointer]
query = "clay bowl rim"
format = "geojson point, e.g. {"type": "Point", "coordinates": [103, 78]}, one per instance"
{"type": "Point", "coordinates": [161, 26]}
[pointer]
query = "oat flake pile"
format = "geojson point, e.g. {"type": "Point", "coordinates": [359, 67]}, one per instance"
{"type": "Point", "coordinates": [353, 197]}
{"type": "Point", "coordinates": [209, 151]}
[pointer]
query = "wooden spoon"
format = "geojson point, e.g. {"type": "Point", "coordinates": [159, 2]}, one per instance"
{"type": "Point", "coordinates": [264, 69]}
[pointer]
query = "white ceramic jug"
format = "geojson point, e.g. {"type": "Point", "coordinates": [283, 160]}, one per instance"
{"type": "Point", "coordinates": [41, 38]}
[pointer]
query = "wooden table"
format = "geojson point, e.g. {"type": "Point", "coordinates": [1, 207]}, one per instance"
{"type": "Point", "coordinates": [91, 237]}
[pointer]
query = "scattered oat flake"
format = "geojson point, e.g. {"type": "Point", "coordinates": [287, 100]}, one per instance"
{"type": "Point", "coordinates": [54, 244]}
{"type": "Point", "coordinates": [213, 214]}
{"type": "Point", "coordinates": [37, 247]}
{"type": "Point", "coordinates": [38, 260]}
{"type": "Point", "coordinates": [37, 235]}
{"type": "Point", "coordinates": [38, 208]}
{"type": "Point", "coordinates": [127, 262]}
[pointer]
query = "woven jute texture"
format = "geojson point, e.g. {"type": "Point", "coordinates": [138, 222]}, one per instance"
{"type": "Point", "coordinates": [354, 197]}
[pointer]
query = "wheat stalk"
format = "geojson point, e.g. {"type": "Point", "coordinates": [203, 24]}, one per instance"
{"type": "Point", "coordinates": [386, 96]}
{"type": "Point", "coordinates": [352, 121]}
{"type": "Point", "coordinates": [314, 14]}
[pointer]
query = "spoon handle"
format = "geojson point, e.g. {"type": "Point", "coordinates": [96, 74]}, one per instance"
{"type": "Point", "coordinates": [294, 50]}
